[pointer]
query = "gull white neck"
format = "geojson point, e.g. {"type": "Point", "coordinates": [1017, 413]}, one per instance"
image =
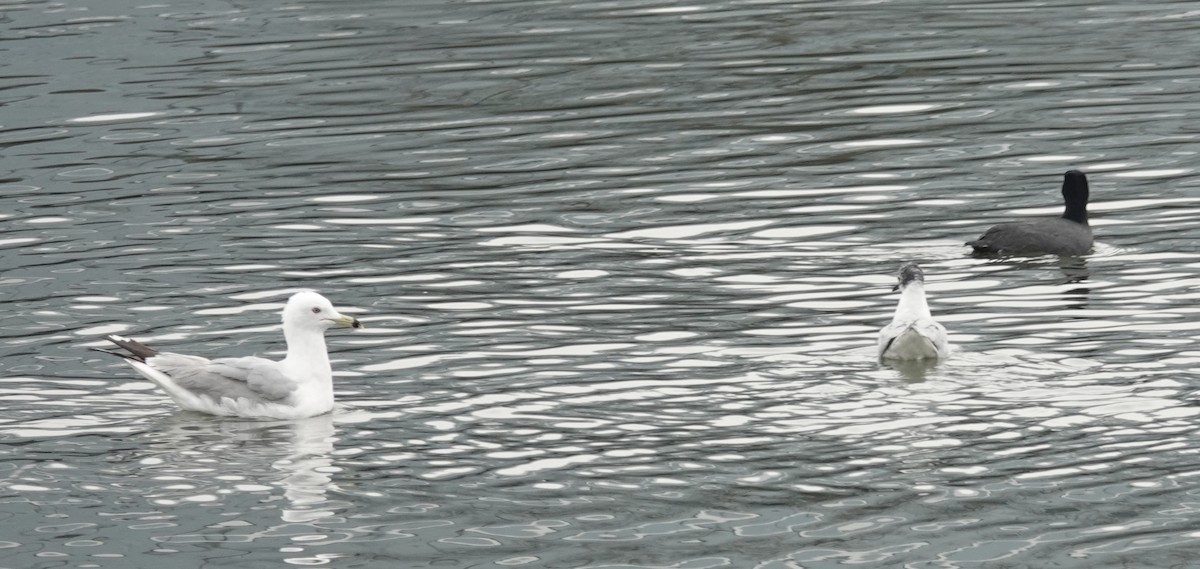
{"type": "Point", "coordinates": [912, 305]}
{"type": "Point", "coordinates": [306, 351]}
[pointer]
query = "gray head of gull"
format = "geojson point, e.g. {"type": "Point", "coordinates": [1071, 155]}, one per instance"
{"type": "Point", "coordinates": [300, 385]}
{"type": "Point", "coordinates": [912, 334]}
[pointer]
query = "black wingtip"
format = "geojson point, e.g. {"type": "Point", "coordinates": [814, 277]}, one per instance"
{"type": "Point", "coordinates": [110, 352]}
{"type": "Point", "coordinates": [138, 351]}
{"type": "Point", "coordinates": [886, 347]}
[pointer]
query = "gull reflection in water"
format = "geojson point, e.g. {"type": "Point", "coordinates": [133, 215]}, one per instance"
{"type": "Point", "coordinates": [296, 456]}
{"type": "Point", "coordinates": [236, 467]}
{"type": "Point", "coordinates": [913, 370]}
{"type": "Point", "coordinates": [307, 469]}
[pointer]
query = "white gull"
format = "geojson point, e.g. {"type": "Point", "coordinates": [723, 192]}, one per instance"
{"type": "Point", "coordinates": [300, 385]}
{"type": "Point", "coordinates": [913, 334]}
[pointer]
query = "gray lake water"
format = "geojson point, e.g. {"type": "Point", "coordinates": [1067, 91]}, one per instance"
{"type": "Point", "coordinates": [621, 263]}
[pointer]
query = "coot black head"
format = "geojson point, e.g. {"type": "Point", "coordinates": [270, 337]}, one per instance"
{"type": "Point", "coordinates": [1075, 195]}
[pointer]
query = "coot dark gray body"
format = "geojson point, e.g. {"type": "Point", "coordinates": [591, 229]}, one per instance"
{"type": "Point", "coordinates": [1066, 235]}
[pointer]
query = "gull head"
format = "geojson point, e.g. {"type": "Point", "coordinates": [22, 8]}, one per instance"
{"type": "Point", "coordinates": [310, 310]}
{"type": "Point", "coordinates": [909, 273]}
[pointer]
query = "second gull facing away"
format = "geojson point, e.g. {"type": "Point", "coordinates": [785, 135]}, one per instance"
{"type": "Point", "coordinates": [1066, 235]}
{"type": "Point", "coordinates": [913, 334]}
{"type": "Point", "coordinates": [301, 385]}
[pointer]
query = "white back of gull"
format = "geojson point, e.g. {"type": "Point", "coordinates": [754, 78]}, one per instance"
{"type": "Point", "coordinates": [913, 334]}
{"type": "Point", "coordinates": [1066, 235]}
{"type": "Point", "coordinates": [301, 385]}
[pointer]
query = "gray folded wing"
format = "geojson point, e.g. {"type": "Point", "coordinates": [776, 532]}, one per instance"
{"type": "Point", "coordinates": [249, 377]}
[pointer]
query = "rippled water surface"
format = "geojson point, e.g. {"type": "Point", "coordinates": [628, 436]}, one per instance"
{"type": "Point", "coordinates": [621, 263]}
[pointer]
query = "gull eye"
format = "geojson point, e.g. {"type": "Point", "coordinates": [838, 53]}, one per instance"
{"type": "Point", "coordinates": [316, 310]}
